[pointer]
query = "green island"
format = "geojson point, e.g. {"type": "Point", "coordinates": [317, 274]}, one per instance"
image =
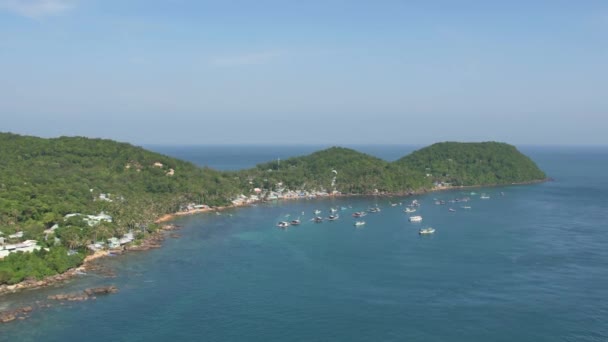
{"type": "Point", "coordinates": [63, 198]}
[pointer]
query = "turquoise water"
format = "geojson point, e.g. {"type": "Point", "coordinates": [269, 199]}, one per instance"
{"type": "Point", "coordinates": [529, 265]}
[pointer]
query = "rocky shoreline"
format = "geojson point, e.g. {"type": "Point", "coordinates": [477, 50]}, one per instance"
{"type": "Point", "coordinates": [150, 242]}
{"type": "Point", "coordinates": [24, 312]}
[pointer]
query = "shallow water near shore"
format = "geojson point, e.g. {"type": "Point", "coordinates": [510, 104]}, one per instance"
{"type": "Point", "coordinates": [529, 265]}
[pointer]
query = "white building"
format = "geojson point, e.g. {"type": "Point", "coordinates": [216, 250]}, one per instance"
{"type": "Point", "coordinates": [26, 246]}
{"type": "Point", "coordinates": [91, 220]}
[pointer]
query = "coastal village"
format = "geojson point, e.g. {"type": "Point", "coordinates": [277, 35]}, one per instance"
{"type": "Point", "coordinates": [14, 243]}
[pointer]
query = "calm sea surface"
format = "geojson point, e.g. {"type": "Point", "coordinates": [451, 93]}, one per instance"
{"type": "Point", "coordinates": [529, 265]}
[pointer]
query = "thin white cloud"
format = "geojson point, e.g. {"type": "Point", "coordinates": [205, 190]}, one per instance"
{"type": "Point", "coordinates": [254, 58]}
{"type": "Point", "coordinates": [37, 8]}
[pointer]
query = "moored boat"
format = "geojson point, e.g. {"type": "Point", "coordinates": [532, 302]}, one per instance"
{"type": "Point", "coordinates": [283, 224]}
{"type": "Point", "coordinates": [425, 231]}
{"type": "Point", "coordinates": [359, 223]}
{"type": "Point", "coordinates": [416, 218]}
{"type": "Point", "coordinates": [359, 214]}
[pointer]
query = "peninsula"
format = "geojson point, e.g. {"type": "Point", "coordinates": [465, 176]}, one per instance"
{"type": "Point", "coordinates": [61, 199]}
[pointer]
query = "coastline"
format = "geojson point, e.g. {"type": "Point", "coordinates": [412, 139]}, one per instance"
{"type": "Point", "coordinates": [155, 239]}
{"type": "Point", "coordinates": [151, 241]}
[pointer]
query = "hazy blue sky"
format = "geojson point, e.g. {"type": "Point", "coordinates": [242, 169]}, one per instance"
{"type": "Point", "coordinates": [289, 72]}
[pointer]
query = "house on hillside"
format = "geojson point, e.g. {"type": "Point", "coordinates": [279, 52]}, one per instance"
{"type": "Point", "coordinates": [26, 246]}
{"type": "Point", "coordinates": [91, 220]}
{"type": "Point", "coordinates": [17, 235]}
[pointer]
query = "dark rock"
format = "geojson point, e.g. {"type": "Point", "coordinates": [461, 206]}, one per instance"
{"type": "Point", "coordinates": [7, 317]}
{"type": "Point", "coordinates": [101, 290]}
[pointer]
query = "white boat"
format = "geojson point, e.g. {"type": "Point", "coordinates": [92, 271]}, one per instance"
{"type": "Point", "coordinates": [451, 209]}
{"type": "Point", "coordinates": [484, 196]}
{"type": "Point", "coordinates": [466, 207]}
{"type": "Point", "coordinates": [425, 231]}
{"type": "Point", "coordinates": [318, 219]}
{"type": "Point", "coordinates": [317, 212]}
{"type": "Point", "coordinates": [333, 210]}
{"type": "Point", "coordinates": [283, 224]}
{"type": "Point", "coordinates": [410, 210]}
{"type": "Point", "coordinates": [359, 223]}
{"type": "Point", "coordinates": [295, 222]}
{"type": "Point", "coordinates": [417, 218]}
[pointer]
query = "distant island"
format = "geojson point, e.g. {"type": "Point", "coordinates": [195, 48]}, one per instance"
{"type": "Point", "coordinates": [62, 199]}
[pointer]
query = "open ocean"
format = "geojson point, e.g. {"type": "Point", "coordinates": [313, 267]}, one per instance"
{"type": "Point", "coordinates": [529, 265]}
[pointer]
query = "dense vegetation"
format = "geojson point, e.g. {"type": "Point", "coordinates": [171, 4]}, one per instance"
{"type": "Point", "coordinates": [462, 164]}
{"type": "Point", "coordinates": [337, 168]}
{"type": "Point", "coordinates": [42, 180]}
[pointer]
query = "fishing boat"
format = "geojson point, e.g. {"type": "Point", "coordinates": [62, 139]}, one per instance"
{"type": "Point", "coordinates": [417, 218]}
{"type": "Point", "coordinates": [333, 217]}
{"type": "Point", "coordinates": [425, 231]}
{"type": "Point", "coordinates": [283, 224]}
{"type": "Point", "coordinates": [359, 223]}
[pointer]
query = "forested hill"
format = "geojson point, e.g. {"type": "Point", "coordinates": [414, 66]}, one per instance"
{"type": "Point", "coordinates": [339, 169]}
{"type": "Point", "coordinates": [43, 179]}
{"type": "Point", "coordinates": [473, 163]}
{"type": "Point", "coordinates": [349, 171]}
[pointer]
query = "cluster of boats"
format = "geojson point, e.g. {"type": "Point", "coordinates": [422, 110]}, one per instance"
{"type": "Point", "coordinates": [410, 209]}
{"type": "Point", "coordinates": [417, 218]}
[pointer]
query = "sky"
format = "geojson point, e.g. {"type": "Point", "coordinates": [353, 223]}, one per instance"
{"type": "Point", "coordinates": [306, 72]}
